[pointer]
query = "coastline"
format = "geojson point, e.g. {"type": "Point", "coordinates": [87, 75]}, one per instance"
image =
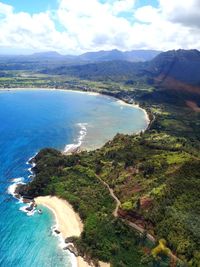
{"type": "Point", "coordinates": [75, 148]}
{"type": "Point", "coordinates": [68, 222]}
{"type": "Point", "coordinates": [50, 89]}
{"type": "Point", "coordinates": [95, 93]}
{"type": "Point", "coordinates": [64, 214]}
{"type": "Point", "coordinates": [134, 105]}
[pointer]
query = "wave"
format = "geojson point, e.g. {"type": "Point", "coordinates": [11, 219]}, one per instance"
{"type": "Point", "coordinates": [82, 133]}
{"type": "Point", "coordinates": [23, 208]}
{"type": "Point", "coordinates": [20, 180]}
{"type": "Point", "coordinates": [33, 164]}
{"type": "Point", "coordinates": [12, 188]}
{"type": "Point", "coordinates": [31, 172]}
{"type": "Point", "coordinates": [29, 160]}
{"type": "Point", "coordinates": [63, 245]}
{"type": "Point", "coordinates": [17, 180]}
{"type": "Point", "coordinates": [28, 212]}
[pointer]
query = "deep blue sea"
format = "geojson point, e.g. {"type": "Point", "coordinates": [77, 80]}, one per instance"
{"type": "Point", "coordinates": [34, 119]}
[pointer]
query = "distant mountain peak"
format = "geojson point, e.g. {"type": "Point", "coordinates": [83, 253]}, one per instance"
{"type": "Point", "coordinates": [115, 54]}
{"type": "Point", "coordinates": [47, 54]}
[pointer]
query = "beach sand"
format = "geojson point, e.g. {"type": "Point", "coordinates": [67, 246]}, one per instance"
{"type": "Point", "coordinates": [68, 221]}
{"type": "Point", "coordinates": [50, 89]}
{"type": "Point", "coordinates": [123, 103]}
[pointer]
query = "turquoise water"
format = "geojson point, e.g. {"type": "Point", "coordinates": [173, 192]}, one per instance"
{"type": "Point", "coordinates": [29, 121]}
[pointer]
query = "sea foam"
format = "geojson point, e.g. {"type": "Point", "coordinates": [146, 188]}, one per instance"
{"type": "Point", "coordinates": [62, 245]}
{"type": "Point", "coordinates": [33, 164]}
{"type": "Point", "coordinates": [82, 133]}
{"type": "Point", "coordinates": [28, 213]}
{"type": "Point", "coordinates": [12, 188]}
{"type": "Point", "coordinates": [28, 161]}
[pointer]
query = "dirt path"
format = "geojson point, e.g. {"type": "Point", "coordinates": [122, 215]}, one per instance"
{"type": "Point", "coordinates": [118, 203]}
{"type": "Point", "coordinates": [115, 212]}
{"type": "Point", "coordinates": [131, 224]}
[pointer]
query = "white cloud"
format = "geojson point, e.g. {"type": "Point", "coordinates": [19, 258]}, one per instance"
{"type": "Point", "coordinates": [93, 25]}
{"type": "Point", "coordinates": [186, 12]}
{"type": "Point", "coordinates": [5, 9]}
{"type": "Point", "coordinates": [147, 14]}
{"type": "Point", "coordinates": [119, 6]}
{"type": "Point", "coordinates": [37, 31]}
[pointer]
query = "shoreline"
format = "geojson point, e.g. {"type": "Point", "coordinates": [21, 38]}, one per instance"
{"type": "Point", "coordinates": [65, 216]}
{"type": "Point", "coordinates": [73, 148]}
{"type": "Point", "coordinates": [119, 100]}
{"type": "Point", "coordinates": [68, 222]}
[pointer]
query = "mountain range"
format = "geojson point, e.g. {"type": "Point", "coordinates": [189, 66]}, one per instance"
{"type": "Point", "coordinates": [99, 56]}
{"type": "Point", "coordinates": [175, 72]}
{"type": "Point", "coordinates": [178, 65]}
{"type": "Point", "coordinates": [132, 56]}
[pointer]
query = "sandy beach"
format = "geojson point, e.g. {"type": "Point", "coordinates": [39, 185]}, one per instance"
{"type": "Point", "coordinates": [50, 89]}
{"type": "Point", "coordinates": [67, 220]}
{"type": "Point", "coordinates": [123, 103]}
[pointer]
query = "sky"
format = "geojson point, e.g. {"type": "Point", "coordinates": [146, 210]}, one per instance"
{"type": "Point", "coordinates": [78, 26]}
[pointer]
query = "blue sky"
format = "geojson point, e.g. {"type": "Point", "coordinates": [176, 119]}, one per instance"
{"type": "Point", "coordinates": [77, 26]}
{"type": "Point", "coordinates": [141, 3]}
{"type": "Point", "coordinates": [32, 6]}
{"type": "Point", "coordinates": [36, 6]}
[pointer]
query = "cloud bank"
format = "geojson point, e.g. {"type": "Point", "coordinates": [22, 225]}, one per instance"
{"type": "Point", "coordinates": [77, 26]}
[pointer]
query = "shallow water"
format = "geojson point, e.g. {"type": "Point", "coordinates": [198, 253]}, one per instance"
{"type": "Point", "coordinates": [29, 121]}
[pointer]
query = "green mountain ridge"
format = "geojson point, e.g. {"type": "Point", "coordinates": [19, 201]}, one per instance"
{"type": "Point", "coordinates": [181, 65]}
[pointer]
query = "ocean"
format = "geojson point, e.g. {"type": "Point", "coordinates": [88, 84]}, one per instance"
{"type": "Point", "coordinates": [34, 119]}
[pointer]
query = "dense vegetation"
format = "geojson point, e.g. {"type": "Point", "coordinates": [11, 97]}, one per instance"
{"type": "Point", "coordinates": [156, 169]}
{"type": "Point", "coordinates": [74, 178]}
{"type": "Point", "coordinates": [155, 174]}
{"type": "Point", "coordinates": [108, 70]}
{"type": "Point", "coordinates": [156, 177]}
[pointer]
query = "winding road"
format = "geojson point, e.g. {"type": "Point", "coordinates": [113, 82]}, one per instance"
{"type": "Point", "coordinates": [131, 224]}
{"type": "Point", "coordinates": [115, 212]}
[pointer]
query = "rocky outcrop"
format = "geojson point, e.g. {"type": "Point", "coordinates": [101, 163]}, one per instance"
{"type": "Point", "coordinates": [72, 249]}
{"type": "Point", "coordinates": [69, 240]}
